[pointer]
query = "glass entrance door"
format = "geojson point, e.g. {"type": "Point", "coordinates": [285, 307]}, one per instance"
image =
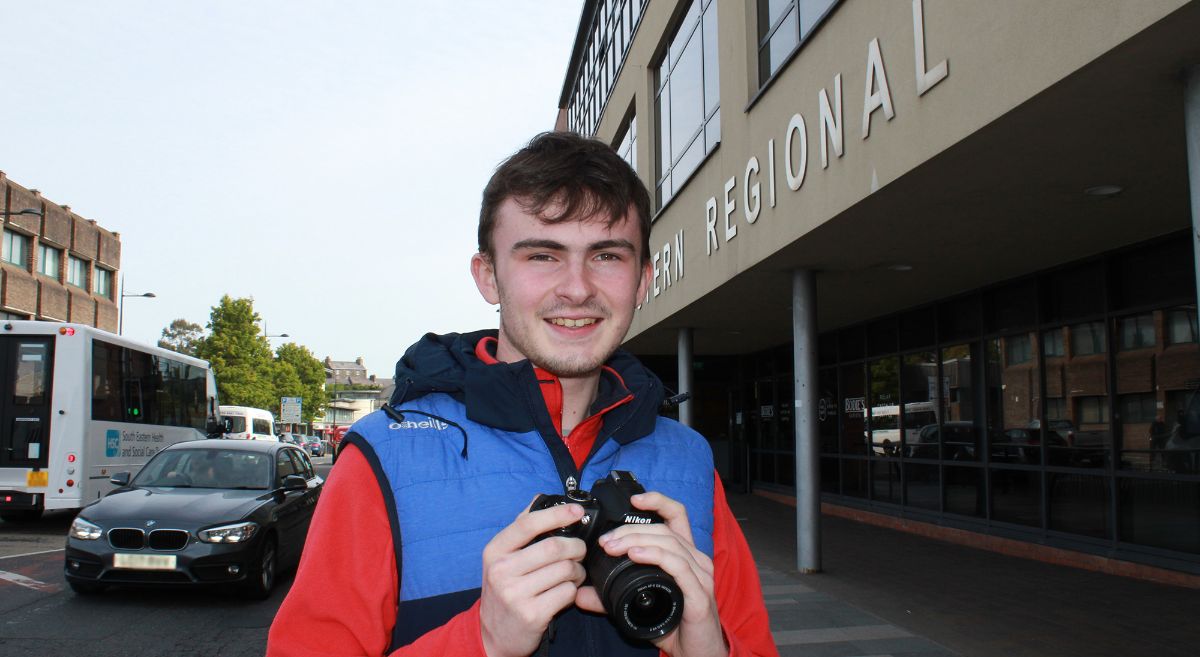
{"type": "Point", "coordinates": [26, 364]}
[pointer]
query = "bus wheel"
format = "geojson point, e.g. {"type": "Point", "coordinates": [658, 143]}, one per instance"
{"type": "Point", "coordinates": [28, 515]}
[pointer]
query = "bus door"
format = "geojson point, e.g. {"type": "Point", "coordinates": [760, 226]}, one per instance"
{"type": "Point", "coordinates": [26, 363]}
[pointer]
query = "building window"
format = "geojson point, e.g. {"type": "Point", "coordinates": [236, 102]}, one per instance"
{"type": "Point", "coordinates": [782, 26]}
{"type": "Point", "coordinates": [1056, 408]}
{"type": "Point", "coordinates": [687, 104]}
{"type": "Point", "coordinates": [627, 144]}
{"type": "Point", "coordinates": [1091, 410]}
{"type": "Point", "coordinates": [49, 260]}
{"type": "Point", "coordinates": [77, 269]}
{"type": "Point", "coordinates": [16, 246]}
{"type": "Point", "coordinates": [1088, 339]}
{"type": "Point", "coordinates": [607, 44]}
{"type": "Point", "coordinates": [1179, 324]}
{"type": "Point", "coordinates": [1018, 349]}
{"type": "Point", "coordinates": [102, 283]}
{"type": "Point", "coordinates": [1052, 343]}
{"type": "Point", "coordinates": [1137, 332]}
{"type": "Point", "coordinates": [1139, 407]}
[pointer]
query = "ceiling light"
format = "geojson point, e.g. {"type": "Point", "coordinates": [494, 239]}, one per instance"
{"type": "Point", "coordinates": [900, 267]}
{"type": "Point", "coordinates": [1103, 191]}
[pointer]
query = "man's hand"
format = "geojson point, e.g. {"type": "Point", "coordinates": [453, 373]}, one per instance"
{"type": "Point", "coordinates": [670, 547]}
{"type": "Point", "coordinates": [525, 585]}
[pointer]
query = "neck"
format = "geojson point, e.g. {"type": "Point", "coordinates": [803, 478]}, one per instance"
{"type": "Point", "coordinates": [578, 395]}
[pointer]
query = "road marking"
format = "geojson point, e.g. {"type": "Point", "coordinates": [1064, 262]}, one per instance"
{"type": "Point", "coordinates": [32, 554]}
{"type": "Point", "coordinates": [25, 581]}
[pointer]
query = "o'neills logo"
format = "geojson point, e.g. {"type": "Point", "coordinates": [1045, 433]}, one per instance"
{"type": "Point", "coordinates": [637, 520]}
{"type": "Point", "coordinates": [423, 424]}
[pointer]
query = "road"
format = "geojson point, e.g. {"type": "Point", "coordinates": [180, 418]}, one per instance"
{"type": "Point", "coordinates": [41, 616]}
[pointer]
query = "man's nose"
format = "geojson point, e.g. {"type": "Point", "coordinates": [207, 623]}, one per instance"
{"type": "Point", "coordinates": [576, 284]}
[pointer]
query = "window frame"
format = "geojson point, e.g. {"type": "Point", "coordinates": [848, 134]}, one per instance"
{"type": "Point", "coordinates": [76, 263]}
{"type": "Point", "coordinates": [11, 236]}
{"type": "Point", "coordinates": [44, 251]}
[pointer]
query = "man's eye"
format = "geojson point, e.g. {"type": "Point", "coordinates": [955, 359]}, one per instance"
{"type": "Point", "coordinates": [610, 257]}
{"type": "Point", "coordinates": [541, 257]}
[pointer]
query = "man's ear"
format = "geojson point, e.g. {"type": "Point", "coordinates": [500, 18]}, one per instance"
{"type": "Point", "coordinates": [483, 270]}
{"type": "Point", "coordinates": [644, 284]}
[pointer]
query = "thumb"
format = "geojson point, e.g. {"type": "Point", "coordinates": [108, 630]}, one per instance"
{"type": "Point", "coordinates": [587, 599]}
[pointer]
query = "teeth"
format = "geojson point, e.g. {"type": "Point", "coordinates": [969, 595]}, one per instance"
{"type": "Point", "coordinates": [572, 323]}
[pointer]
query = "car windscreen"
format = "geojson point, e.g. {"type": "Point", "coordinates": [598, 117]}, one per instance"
{"type": "Point", "coordinates": [207, 468]}
{"type": "Point", "coordinates": [237, 423]}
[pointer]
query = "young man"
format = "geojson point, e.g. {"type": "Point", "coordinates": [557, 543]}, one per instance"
{"type": "Point", "coordinates": [414, 549]}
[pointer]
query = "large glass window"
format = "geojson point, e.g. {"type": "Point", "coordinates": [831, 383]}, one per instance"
{"type": "Point", "coordinates": [627, 144]}
{"type": "Point", "coordinates": [102, 283]}
{"type": "Point", "coordinates": [608, 42]}
{"type": "Point", "coordinates": [687, 104]}
{"type": "Point", "coordinates": [16, 248]}
{"type": "Point", "coordinates": [134, 386]}
{"type": "Point", "coordinates": [782, 26]}
{"type": "Point", "coordinates": [77, 272]}
{"type": "Point", "coordinates": [1013, 395]}
{"type": "Point", "coordinates": [1179, 325]}
{"type": "Point", "coordinates": [49, 260]}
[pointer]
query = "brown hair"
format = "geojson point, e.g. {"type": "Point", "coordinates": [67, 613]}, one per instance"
{"type": "Point", "coordinates": [562, 176]}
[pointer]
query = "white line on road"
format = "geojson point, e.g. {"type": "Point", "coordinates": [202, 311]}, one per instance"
{"type": "Point", "coordinates": [25, 581]}
{"type": "Point", "coordinates": [31, 554]}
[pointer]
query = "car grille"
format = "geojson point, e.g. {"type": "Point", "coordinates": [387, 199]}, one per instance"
{"type": "Point", "coordinates": [168, 539]}
{"type": "Point", "coordinates": [127, 539]}
{"type": "Point", "coordinates": [160, 539]}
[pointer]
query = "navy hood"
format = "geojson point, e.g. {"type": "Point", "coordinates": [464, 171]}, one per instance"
{"type": "Point", "coordinates": [508, 395]}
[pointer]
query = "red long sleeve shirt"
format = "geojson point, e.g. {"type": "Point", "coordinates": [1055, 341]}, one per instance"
{"type": "Point", "coordinates": [343, 601]}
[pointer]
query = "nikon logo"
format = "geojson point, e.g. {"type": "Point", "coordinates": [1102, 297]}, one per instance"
{"type": "Point", "coordinates": [637, 520]}
{"type": "Point", "coordinates": [423, 424]}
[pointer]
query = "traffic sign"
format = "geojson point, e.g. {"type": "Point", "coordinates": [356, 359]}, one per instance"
{"type": "Point", "coordinates": [289, 409]}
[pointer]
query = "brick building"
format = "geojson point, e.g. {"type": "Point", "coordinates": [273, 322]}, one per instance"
{"type": "Point", "coordinates": [55, 265]}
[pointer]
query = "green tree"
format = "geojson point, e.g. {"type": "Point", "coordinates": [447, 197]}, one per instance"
{"type": "Point", "coordinates": [298, 373]}
{"type": "Point", "coordinates": [240, 355]}
{"type": "Point", "coordinates": [182, 337]}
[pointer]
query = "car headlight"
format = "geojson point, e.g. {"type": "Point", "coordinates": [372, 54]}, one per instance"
{"type": "Point", "coordinates": [84, 530]}
{"type": "Point", "coordinates": [235, 533]}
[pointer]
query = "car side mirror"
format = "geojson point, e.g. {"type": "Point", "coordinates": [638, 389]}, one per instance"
{"type": "Point", "coordinates": [120, 479]}
{"type": "Point", "coordinates": [294, 482]}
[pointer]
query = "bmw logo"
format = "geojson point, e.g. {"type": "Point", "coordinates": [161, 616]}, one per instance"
{"type": "Point", "coordinates": [151, 523]}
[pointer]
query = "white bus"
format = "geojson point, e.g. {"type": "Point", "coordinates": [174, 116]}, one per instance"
{"type": "Point", "coordinates": [247, 423]}
{"type": "Point", "coordinates": [78, 404]}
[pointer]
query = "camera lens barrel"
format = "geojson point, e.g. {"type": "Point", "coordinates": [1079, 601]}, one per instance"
{"type": "Point", "coordinates": [643, 601]}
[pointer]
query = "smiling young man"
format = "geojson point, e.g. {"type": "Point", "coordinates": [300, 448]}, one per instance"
{"type": "Point", "coordinates": [423, 542]}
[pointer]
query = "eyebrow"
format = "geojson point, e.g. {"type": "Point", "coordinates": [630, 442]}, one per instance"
{"type": "Point", "coordinates": [551, 245]}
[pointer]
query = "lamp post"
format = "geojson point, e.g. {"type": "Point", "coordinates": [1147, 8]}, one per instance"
{"type": "Point", "coordinates": [121, 308]}
{"type": "Point", "coordinates": [273, 335]}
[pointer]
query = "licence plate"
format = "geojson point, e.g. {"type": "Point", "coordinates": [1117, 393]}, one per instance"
{"type": "Point", "coordinates": [144, 561]}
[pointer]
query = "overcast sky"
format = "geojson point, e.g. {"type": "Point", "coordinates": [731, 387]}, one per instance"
{"type": "Point", "coordinates": [325, 158]}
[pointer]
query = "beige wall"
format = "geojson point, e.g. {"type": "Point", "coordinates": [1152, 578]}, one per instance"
{"type": "Point", "coordinates": [999, 54]}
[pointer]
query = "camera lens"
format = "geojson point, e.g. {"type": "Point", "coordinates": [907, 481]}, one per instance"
{"type": "Point", "coordinates": [643, 601]}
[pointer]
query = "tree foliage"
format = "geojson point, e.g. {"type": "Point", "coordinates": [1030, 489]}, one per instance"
{"type": "Point", "coordinates": [247, 373]}
{"type": "Point", "coordinates": [182, 337]}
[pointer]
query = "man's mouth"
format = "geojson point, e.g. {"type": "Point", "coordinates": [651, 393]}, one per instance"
{"type": "Point", "coordinates": [572, 323]}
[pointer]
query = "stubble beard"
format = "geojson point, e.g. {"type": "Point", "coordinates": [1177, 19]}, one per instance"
{"type": "Point", "coordinates": [560, 365]}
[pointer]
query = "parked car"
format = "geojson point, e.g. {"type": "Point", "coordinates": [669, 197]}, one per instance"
{"type": "Point", "coordinates": [314, 446]}
{"type": "Point", "coordinates": [292, 439]}
{"type": "Point", "coordinates": [205, 512]}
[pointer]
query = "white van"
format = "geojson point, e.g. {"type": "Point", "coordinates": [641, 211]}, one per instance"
{"type": "Point", "coordinates": [247, 423]}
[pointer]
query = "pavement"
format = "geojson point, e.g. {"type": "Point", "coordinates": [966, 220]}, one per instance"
{"type": "Point", "coordinates": [883, 592]}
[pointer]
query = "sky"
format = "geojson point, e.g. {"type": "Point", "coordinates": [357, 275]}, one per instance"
{"type": "Point", "coordinates": [323, 158]}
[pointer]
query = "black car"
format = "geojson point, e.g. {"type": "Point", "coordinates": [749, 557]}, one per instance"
{"type": "Point", "coordinates": [213, 512]}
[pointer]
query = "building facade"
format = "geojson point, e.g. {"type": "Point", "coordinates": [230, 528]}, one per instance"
{"type": "Point", "coordinates": [926, 260]}
{"type": "Point", "coordinates": [56, 265]}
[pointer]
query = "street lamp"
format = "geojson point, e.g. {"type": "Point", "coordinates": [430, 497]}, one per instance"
{"type": "Point", "coordinates": [33, 211]}
{"type": "Point", "coordinates": [269, 335]}
{"type": "Point", "coordinates": [121, 308]}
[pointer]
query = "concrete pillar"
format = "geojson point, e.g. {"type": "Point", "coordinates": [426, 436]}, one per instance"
{"type": "Point", "coordinates": [1191, 129]}
{"type": "Point", "coordinates": [685, 375]}
{"type": "Point", "coordinates": [804, 378]}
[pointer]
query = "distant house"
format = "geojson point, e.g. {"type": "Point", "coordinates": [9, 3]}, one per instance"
{"type": "Point", "coordinates": [353, 392]}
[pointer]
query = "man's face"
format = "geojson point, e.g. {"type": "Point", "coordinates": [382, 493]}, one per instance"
{"type": "Point", "coordinates": [566, 291]}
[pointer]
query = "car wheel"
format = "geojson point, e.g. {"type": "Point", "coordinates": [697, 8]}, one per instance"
{"type": "Point", "coordinates": [85, 588]}
{"type": "Point", "coordinates": [21, 516]}
{"type": "Point", "coordinates": [262, 576]}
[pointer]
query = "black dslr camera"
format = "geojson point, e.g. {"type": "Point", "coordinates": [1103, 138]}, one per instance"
{"type": "Point", "coordinates": [641, 600]}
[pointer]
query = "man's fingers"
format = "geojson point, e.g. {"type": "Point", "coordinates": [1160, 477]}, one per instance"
{"type": "Point", "coordinates": [673, 513]}
{"type": "Point", "coordinates": [531, 524]}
